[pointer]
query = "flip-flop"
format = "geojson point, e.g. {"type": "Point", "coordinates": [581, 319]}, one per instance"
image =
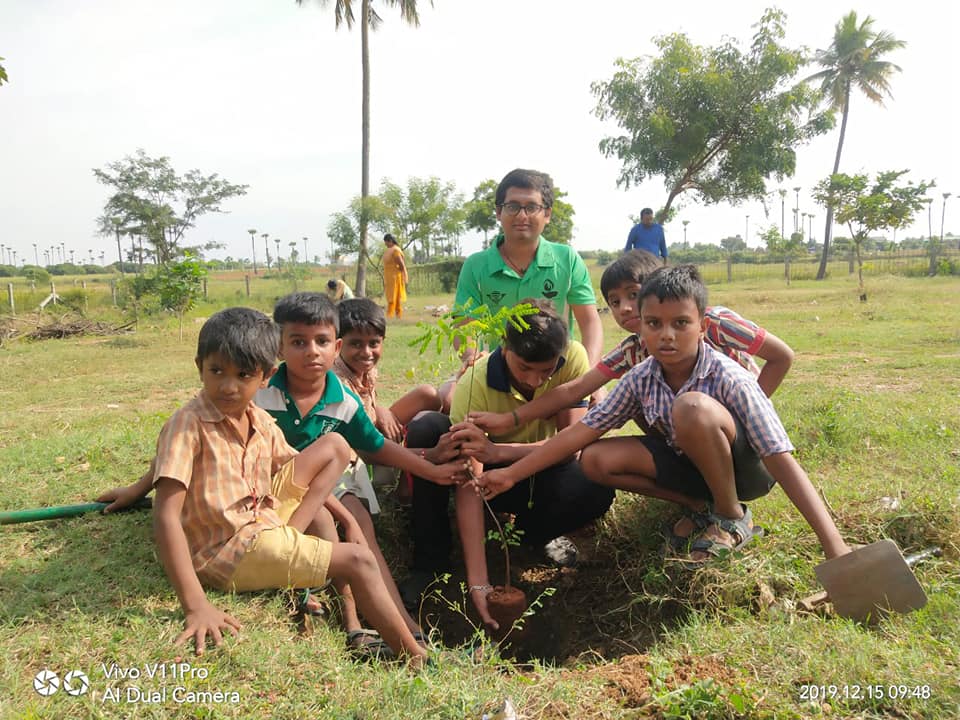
{"type": "Point", "coordinates": [367, 645]}
{"type": "Point", "coordinates": [301, 605]}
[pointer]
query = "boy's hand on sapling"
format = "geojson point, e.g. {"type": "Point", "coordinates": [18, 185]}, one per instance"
{"type": "Point", "coordinates": [494, 423]}
{"type": "Point", "coordinates": [474, 443]}
{"type": "Point", "coordinates": [204, 621]}
{"type": "Point", "coordinates": [446, 450]}
{"type": "Point", "coordinates": [451, 473]}
{"type": "Point", "coordinates": [494, 482]}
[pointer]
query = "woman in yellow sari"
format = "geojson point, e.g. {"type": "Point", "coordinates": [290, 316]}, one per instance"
{"type": "Point", "coordinates": [395, 277]}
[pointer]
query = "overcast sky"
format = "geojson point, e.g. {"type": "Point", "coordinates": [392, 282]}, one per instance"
{"type": "Point", "coordinates": [266, 93]}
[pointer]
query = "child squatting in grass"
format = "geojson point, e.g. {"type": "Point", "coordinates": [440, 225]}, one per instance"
{"type": "Point", "coordinates": [217, 529]}
{"type": "Point", "coordinates": [363, 328]}
{"type": "Point", "coordinates": [309, 346]}
{"type": "Point", "coordinates": [711, 433]}
{"type": "Point", "coordinates": [723, 329]}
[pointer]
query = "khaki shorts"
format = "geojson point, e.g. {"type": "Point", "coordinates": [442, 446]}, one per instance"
{"type": "Point", "coordinates": [283, 557]}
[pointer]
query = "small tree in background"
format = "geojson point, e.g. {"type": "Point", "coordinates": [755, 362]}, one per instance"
{"type": "Point", "coordinates": [178, 286]}
{"type": "Point", "coordinates": [866, 207]}
{"type": "Point", "coordinates": [787, 247]}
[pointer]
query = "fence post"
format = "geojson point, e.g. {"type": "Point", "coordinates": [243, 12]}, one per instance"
{"type": "Point", "coordinates": [13, 309]}
{"type": "Point", "coordinates": [113, 292]}
{"type": "Point", "coordinates": [246, 280]}
{"type": "Point", "coordinates": [204, 288]}
{"type": "Point", "coordinates": [53, 292]}
{"type": "Point", "coordinates": [729, 268]}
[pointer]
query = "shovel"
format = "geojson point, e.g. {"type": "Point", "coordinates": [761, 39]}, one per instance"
{"type": "Point", "coordinates": [871, 580]}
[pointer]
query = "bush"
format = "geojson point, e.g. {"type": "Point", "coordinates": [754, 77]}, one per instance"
{"type": "Point", "coordinates": [65, 269]}
{"type": "Point", "coordinates": [35, 273]}
{"type": "Point", "coordinates": [605, 257]}
{"type": "Point", "coordinates": [948, 267]}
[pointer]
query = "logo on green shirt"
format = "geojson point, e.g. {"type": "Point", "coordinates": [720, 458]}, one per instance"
{"type": "Point", "coordinates": [548, 291]}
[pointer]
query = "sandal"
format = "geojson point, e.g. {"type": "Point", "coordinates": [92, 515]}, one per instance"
{"type": "Point", "coordinates": [674, 543]}
{"type": "Point", "coordinates": [367, 645]}
{"type": "Point", "coordinates": [741, 530]}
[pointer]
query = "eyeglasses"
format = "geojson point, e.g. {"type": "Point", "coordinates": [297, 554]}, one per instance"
{"type": "Point", "coordinates": [512, 208]}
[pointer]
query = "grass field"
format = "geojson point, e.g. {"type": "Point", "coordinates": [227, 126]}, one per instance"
{"type": "Point", "coordinates": [872, 404]}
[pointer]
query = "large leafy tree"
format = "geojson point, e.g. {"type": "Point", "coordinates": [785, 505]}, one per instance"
{"type": "Point", "coordinates": [3, 74]}
{"type": "Point", "coordinates": [853, 60]}
{"type": "Point", "coordinates": [150, 199]}
{"type": "Point", "coordinates": [343, 13]}
{"type": "Point", "coordinates": [865, 206]}
{"type": "Point", "coordinates": [712, 121]}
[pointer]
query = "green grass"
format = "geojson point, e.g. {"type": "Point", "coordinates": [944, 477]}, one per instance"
{"type": "Point", "coordinates": [872, 404]}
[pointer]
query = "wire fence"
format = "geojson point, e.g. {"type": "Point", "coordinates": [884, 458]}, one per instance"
{"type": "Point", "coordinates": [88, 292]}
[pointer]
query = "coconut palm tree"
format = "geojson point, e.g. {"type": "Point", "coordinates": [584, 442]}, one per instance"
{"type": "Point", "coordinates": [343, 12]}
{"type": "Point", "coordinates": [853, 60]}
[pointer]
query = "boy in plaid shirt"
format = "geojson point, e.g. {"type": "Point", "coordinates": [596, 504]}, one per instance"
{"type": "Point", "coordinates": [712, 436]}
{"type": "Point", "coordinates": [724, 330]}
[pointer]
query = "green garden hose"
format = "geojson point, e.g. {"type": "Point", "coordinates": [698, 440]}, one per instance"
{"type": "Point", "coordinates": [61, 511]}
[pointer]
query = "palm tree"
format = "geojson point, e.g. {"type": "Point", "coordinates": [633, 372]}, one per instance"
{"type": "Point", "coordinates": [854, 59]}
{"type": "Point", "coordinates": [343, 13]}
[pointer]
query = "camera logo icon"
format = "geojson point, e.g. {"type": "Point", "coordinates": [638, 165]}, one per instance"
{"type": "Point", "coordinates": [76, 683]}
{"type": "Point", "coordinates": [46, 682]}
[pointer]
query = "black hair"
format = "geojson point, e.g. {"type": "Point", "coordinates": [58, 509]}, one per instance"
{"type": "Point", "coordinates": [246, 337]}
{"type": "Point", "coordinates": [528, 180]}
{"type": "Point", "coordinates": [646, 211]}
{"type": "Point", "coordinates": [309, 308]}
{"type": "Point", "coordinates": [358, 314]}
{"type": "Point", "coordinates": [631, 267]}
{"type": "Point", "coordinates": [332, 284]}
{"type": "Point", "coordinates": [389, 237]}
{"type": "Point", "coordinates": [676, 283]}
{"type": "Point", "coordinates": [544, 340]}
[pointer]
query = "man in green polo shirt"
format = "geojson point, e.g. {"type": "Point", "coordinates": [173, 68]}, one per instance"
{"type": "Point", "coordinates": [521, 264]}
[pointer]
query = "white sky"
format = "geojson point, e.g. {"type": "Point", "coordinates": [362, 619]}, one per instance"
{"type": "Point", "coordinates": [266, 93]}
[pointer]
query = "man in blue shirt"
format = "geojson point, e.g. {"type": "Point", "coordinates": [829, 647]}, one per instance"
{"type": "Point", "coordinates": [647, 235]}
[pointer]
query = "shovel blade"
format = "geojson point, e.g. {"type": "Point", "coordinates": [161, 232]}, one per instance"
{"type": "Point", "coordinates": [870, 581]}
